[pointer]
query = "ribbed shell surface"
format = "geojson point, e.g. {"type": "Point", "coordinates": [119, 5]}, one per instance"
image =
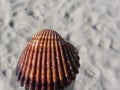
{"type": "Point", "coordinates": [48, 62]}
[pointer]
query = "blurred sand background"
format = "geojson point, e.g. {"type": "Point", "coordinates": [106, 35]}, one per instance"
{"type": "Point", "coordinates": [93, 26]}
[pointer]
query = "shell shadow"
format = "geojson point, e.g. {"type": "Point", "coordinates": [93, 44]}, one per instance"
{"type": "Point", "coordinates": [70, 87]}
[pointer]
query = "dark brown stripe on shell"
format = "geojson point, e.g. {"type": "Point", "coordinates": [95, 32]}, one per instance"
{"type": "Point", "coordinates": [54, 63]}
{"type": "Point", "coordinates": [43, 71]}
{"type": "Point", "coordinates": [20, 60]}
{"type": "Point", "coordinates": [75, 52]}
{"type": "Point", "coordinates": [33, 67]}
{"type": "Point", "coordinates": [28, 67]}
{"type": "Point", "coordinates": [61, 62]}
{"type": "Point", "coordinates": [21, 63]}
{"type": "Point", "coordinates": [49, 73]}
{"type": "Point", "coordinates": [39, 58]}
{"type": "Point", "coordinates": [75, 55]}
{"type": "Point", "coordinates": [22, 78]}
{"type": "Point", "coordinates": [64, 61]}
{"type": "Point", "coordinates": [68, 61]}
{"type": "Point", "coordinates": [72, 60]}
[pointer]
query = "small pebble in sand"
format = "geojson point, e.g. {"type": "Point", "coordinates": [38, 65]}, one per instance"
{"type": "Point", "coordinates": [105, 43]}
{"type": "Point", "coordinates": [116, 44]}
{"type": "Point", "coordinates": [99, 27]}
{"type": "Point", "coordinates": [92, 71]}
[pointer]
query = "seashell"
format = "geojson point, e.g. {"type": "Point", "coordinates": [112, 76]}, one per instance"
{"type": "Point", "coordinates": [48, 62]}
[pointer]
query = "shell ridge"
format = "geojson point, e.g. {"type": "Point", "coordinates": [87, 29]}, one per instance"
{"type": "Point", "coordinates": [74, 55]}
{"type": "Point", "coordinates": [20, 60]}
{"type": "Point", "coordinates": [62, 62]}
{"type": "Point", "coordinates": [69, 63]}
{"type": "Point", "coordinates": [24, 67]}
{"type": "Point", "coordinates": [59, 67]}
{"type": "Point", "coordinates": [43, 71]}
{"type": "Point", "coordinates": [49, 80]}
{"type": "Point", "coordinates": [72, 66]}
{"type": "Point", "coordinates": [54, 62]}
{"type": "Point", "coordinates": [38, 83]}
{"type": "Point", "coordinates": [72, 60]}
{"type": "Point", "coordinates": [28, 66]}
{"type": "Point", "coordinates": [33, 66]}
{"type": "Point", "coordinates": [21, 65]}
{"type": "Point", "coordinates": [75, 52]}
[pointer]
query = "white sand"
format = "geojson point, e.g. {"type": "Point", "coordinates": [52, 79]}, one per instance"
{"type": "Point", "coordinates": [93, 26]}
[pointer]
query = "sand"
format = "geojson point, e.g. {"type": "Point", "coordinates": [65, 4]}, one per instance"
{"type": "Point", "coordinates": [93, 26]}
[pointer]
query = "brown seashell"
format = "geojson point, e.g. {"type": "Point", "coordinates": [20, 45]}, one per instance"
{"type": "Point", "coordinates": [48, 62]}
